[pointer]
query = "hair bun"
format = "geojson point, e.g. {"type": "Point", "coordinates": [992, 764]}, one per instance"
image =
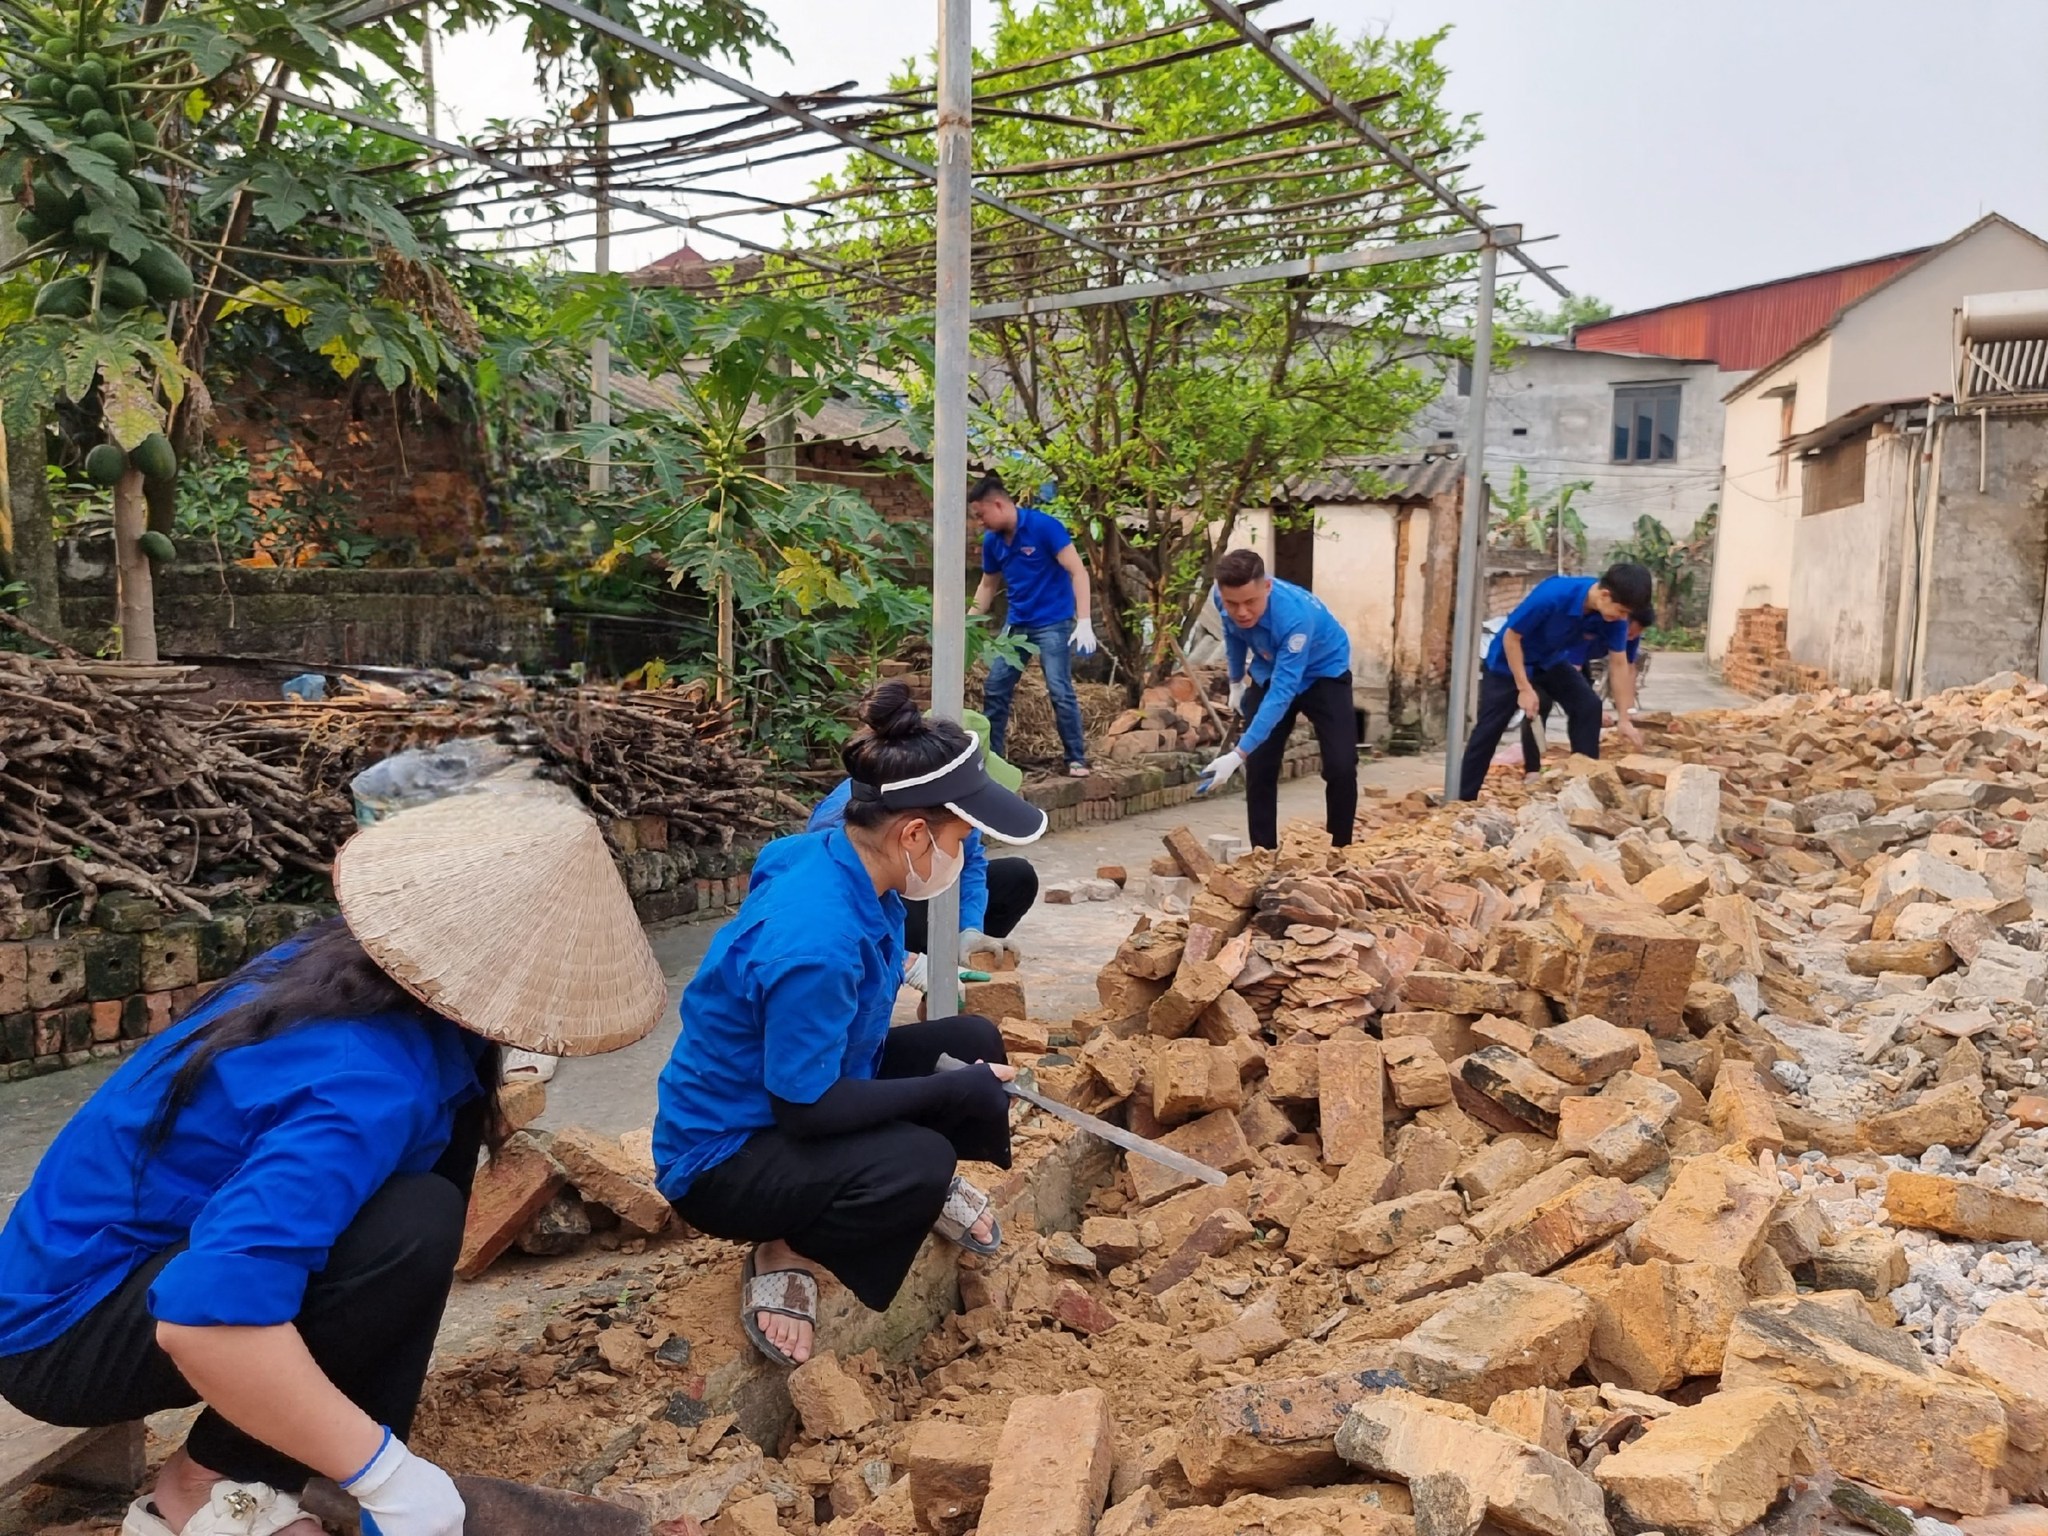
{"type": "Point", "coordinates": [890, 711]}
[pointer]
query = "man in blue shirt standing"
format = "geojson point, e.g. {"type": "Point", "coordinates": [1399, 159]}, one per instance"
{"type": "Point", "coordinates": [1030, 555]}
{"type": "Point", "coordinates": [1288, 656]}
{"type": "Point", "coordinates": [1565, 619]}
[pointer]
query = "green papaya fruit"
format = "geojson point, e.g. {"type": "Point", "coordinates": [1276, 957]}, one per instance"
{"type": "Point", "coordinates": [59, 45]}
{"type": "Point", "coordinates": [153, 456]}
{"type": "Point", "coordinates": [106, 464]}
{"type": "Point", "coordinates": [68, 298]}
{"type": "Point", "coordinates": [115, 147]}
{"type": "Point", "coordinates": [90, 239]}
{"type": "Point", "coordinates": [99, 120]}
{"type": "Point", "coordinates": [82, 99]}
{"type": "Point", "coordinates": [157, 547]}
{"type": "Point", "coordinates": [91, 70]}
{"type": "Point", "coordinates": [151, 196]}
{"type": "Point", "coordinates": [121, 288]}
{"type": "Point", "coordinates": [168, 277]}
{"type": "Point", "coordinates": [47, 86]}
{"type": "Point", "coordinates": [143, 132]}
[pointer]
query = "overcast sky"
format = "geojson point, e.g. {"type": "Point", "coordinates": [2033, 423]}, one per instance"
{"type": "Point", "coordinates": [1674, 147]}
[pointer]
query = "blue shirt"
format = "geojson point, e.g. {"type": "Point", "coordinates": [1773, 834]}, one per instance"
{"type": "Point", "coordinates": [1296, 641]}
{"type": "Point", "coordinates": [831, 812]}
{"type": "Point", "coordinates": [280, 1147]}
{"type": "Point", "coordinates": [1039, 588]}
{"type": "Point", "coordinates": [794, 995]}
{"type": "Point", "coordinates": [1583, 653]}
{"type": "Point", "coordinates": [1557, 628]}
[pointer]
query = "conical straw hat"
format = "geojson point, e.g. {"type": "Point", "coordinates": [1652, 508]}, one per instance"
{"type": "Point", "coordinates": [504, 912]}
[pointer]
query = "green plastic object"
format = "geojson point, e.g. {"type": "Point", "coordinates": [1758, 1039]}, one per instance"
{"type": "Point", "coordinates": [976, 976]}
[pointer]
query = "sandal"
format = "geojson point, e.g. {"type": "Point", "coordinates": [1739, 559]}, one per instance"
{"type": "Point", "coordinates": [781, 1292]}
{"type": "Point", "coordinates": [965, 1205]}
{"type": "Point", "coordinates": [235, 1509]}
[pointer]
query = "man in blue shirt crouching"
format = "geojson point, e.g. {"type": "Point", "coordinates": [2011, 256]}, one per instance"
{"type": "Point", "coordinates": [1288, 656]}
{"type": "Point", "coordinates": [1565, 619]}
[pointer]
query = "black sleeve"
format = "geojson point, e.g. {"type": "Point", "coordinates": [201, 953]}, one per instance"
{"type": "Point", "coordinates": [859, 1104]}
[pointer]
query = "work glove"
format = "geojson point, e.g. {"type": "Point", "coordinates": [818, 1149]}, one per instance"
{"type": "Point", "coordinates": [972, 939]}
{"type": "Point", "coordinates": [917, 973]}
{"type": "Point", "coordinates": [1237, 685]}
{"type": "Point", "coordinates": [1084, 636]}
{"type": "Point", "coordinates": [402, 1495]}
{"type": "Point", "coordinates": [1218, 773]}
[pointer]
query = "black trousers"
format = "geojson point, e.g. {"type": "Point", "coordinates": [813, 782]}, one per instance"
{"type": "Point", "coordinates": [1562, 684]}
{"type": "Point", "coordinates": [369, 1320]}
{"type": "Point", "coordinates": [859, 1204]}
{"type": "Point", "coordinates": [1012, 888]}
{"type": "Point", "coordinates": [1533, 735]}
{"type": "Point", "coordinates": [1327, 703]}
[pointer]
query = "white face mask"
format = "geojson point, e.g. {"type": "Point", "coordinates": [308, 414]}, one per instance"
{"type": "Point", "coordinates": [945, 872]}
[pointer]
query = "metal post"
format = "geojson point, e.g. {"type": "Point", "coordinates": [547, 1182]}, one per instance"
{"type": "Point", "coordinates": [954, 150]}
{"type": "Point", "coordinates": [1471, 533]}
{"type": "Point", "coordinates": [601, 348]}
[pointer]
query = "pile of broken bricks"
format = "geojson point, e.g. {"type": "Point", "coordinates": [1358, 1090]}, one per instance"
{"type": "Point", "coordinates": [1664, 1150]}
{"type": "Point", "coordinates": [1178, 715]}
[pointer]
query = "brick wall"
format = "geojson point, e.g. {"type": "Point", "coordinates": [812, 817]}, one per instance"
{"type": "Point", "coordinates": [98, 992]}
{"type": "Point", "coordinates": [1758, 662]}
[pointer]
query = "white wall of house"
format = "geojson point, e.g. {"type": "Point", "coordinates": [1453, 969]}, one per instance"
{"type": "Point", "coordinates": [1552, 412]}
{"type": "Point", "coordinates": [1895, 343]}
{"type": "Point", "coordinates": [1845, 571]}
{"type": "Point", "coordinates": [1760, 489]}
{"type": "Point", "coordinates": [1899, 343]}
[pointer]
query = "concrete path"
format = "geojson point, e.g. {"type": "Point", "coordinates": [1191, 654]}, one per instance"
{"type": "Point", "coordinates": [1064, 946]}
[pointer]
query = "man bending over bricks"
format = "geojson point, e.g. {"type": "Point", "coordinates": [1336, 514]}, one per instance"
{"type": "Point", "coordinates": [1534, 656]}
{"type": "Point", "coordinates": [1288, 656]}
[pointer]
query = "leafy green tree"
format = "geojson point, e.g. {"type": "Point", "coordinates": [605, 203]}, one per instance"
{"type": "Point", "coordinates": [1158, 421]}
{"type": "Point", "coordinates": [1579, 309]}
{"type": "Point", "coordinates": [161, 191]}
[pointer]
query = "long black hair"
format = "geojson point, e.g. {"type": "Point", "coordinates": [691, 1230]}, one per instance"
{"type": "Point", "coordinates": [322, 974]}
{"type": "Point", "coordinates": [897, 741]}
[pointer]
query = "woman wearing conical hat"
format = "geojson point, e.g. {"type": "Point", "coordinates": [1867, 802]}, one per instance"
{"type": "Point", "coordinates": [792, 1116]}
{"type": "Point", "coordinates": [260, 1211]}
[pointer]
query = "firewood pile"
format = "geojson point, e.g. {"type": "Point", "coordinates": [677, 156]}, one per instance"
{"type": "Point", "coordinates": [121, 776]}
{"type": "Point", "coordinates": [115, 779]}
{"type": "Point", "coordinates": [667, 753]}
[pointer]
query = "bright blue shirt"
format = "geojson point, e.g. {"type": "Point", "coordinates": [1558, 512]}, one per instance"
{"type": "Point", "coordinates": [280, 1147]}
{"type": "Point", "coordinates": [1583, 652]}
{"type": "Point", "coordinates": [831, 812]}
{"type": "Point", "coordinates": [1556, 627]}
{"type": "Point", "coordinates": [1039, 589]}
{"type": "Point", "coordinates": [1295, 642]}
{"type": "Point", "coordinates": [794, 995]}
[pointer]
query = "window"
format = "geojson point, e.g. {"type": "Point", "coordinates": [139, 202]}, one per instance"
{"type": "Point", "coordinates": [1646, 423]}
{"type": "Point", "coordinates": [1464, 378]}
{"type": "Point", "coordinates": [1833, 477]}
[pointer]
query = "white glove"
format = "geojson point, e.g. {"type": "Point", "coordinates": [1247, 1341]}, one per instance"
{"type": "Point", "coordinates": [402, 1495]}
{"type": "Point", "coordinates": [1237, 686]}
{"type": "Point", "coordinates": [1084, 636]}
{"type": "Point", "coordinates": [917, 973]}
{"type": "Point", "coordinates": [1218, 773]}
{"type": "Point", "coordinates": [972, 939]}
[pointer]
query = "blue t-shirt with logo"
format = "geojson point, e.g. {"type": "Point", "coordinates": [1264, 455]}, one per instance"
{"type": "Point", "coordinates": [1557, 628]}
{"type": "Point", "coordinates": [1040, 591]}
{"type": "Point", "coordinates": [794, 994]}
{"type": "Point", "coordinates": [1295, 642]}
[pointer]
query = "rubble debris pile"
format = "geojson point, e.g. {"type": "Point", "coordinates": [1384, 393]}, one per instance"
{"type": "Point", "coordinates": [1660, 1148]}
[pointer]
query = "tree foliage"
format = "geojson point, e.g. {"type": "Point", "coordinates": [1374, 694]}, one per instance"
{"type": "Point", "coordinates": [1157, 421]}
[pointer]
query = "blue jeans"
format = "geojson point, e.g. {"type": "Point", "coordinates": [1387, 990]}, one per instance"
{"type": "Point", "coordinates": [1054, 656]}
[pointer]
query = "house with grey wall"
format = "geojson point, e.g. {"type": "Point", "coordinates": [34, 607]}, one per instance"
{"type": "Point", "coordinates": [1643, 432]}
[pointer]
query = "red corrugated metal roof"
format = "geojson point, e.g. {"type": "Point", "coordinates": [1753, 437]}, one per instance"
{"type": "Point", "coordinates": [1744, 327]}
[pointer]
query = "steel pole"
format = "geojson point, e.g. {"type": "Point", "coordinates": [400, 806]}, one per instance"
{"type": "Point", "coordinates": [954, 149]}
{"type": "Point", "coordinates": [1471, 533]}
{"type": "Point", "coordinates": [601, 347]}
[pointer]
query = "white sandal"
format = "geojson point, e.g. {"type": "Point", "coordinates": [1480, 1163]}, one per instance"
{"type": "Point", "coordinates": [965, 1205]}
{"type": "Point", "coordinates": [235, 1509]}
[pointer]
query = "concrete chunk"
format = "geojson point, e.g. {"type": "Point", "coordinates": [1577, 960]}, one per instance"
{"type": "Point", "coordinates": [1505, 1334]}
{"type": "Point", "coordinates": [1713, 1469]}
